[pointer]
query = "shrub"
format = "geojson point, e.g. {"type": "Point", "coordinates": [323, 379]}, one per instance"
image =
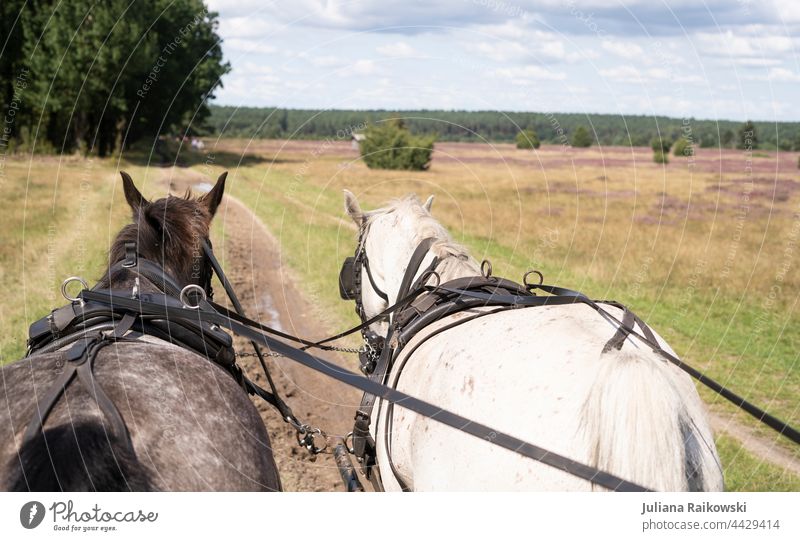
{"type": "Point", "coordinates": [659, 144]}
{"type": "Point", "coordinates": [683, 147]}
{"type": "Point", "coordinates": [527, 139]}
{"type": "Point", "coordinates": [660, 157]}
{"type": "Point", "coordinates": [389, 145]}
{"type": "Point", "coordinates": [581, 138]}
{"type": "Point", "coordinates": [726, 139]}
{"type": "Point", "coordinates": [748, 139]}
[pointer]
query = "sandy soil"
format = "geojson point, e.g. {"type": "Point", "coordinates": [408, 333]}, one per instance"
{"type": "Point", "coordinates": [251, 258]}
{"type": "Point", "coordinates": [765, 448]}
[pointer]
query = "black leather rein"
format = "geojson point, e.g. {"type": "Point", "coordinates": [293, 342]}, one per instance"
{"type": "Point", "coordinates": [242, 326]}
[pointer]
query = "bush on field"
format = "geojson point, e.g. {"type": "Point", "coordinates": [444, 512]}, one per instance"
{"type": "Point", "coordinates": [683, 147]}
{"type": "Point", "coordinates": [661, 145]}
{"type": "Point", "coordinates": [581, 138]}
{"type": "Point", "coordinates": [660, 148]}
{"type": "Point", "coordinates": [389, 145]}
{"type": "Point", "coordinates": [527, 139]}
{"type": "Point", "coordinates": [748, 138]}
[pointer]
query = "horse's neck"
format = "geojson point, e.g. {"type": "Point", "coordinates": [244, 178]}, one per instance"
{"type": "Point", "coordinates": [449, 267]}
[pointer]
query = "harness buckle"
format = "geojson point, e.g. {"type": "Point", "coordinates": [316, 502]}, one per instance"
{"type": "Point", "coordinates": [131, 255]}
{"type": "Point", "coordinates": [306, 437]}
{"type": "Point", "coordinates": [368, 358]}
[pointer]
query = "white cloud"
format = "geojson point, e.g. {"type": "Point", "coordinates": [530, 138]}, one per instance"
{"type": "Point", "coordinates": [360, 67]}
{"type": "Point", "coordinates": [327, 61]}
{"type": "Point", "coordinates": [533, 46]}
{"type": "Point", "coordinates": [660, 73]}
{"type": "Point", "coordinates": [633, 74]}
{"type": "Point", "coordinates": [530, 72]}
{"type": "Point", "coordinates": [245, 27]}
{"type": "Point", "coordinates": [753, 42]}
{"type": "Point", "coordinates": [783, 75]}
{"type": "Point", "coordinates": [758, 62]}
{"type": "Point", "coordinates": [499, 51]}
{"type": "Point", "coordinates": [249, 46]}
{"type": "Point", "coordinates": [623, 74]}
{"type": "Point", "coordinates": [625, 49]}
{"type": "Point", "coordinates": [397, 49]}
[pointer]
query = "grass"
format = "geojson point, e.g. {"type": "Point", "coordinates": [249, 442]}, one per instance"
{"type": "Point", "coordinates": [706, 258]}
{"type": "Point", "coordinates": [744, 472]}
{"type": "Point", "coordinates": [59, 216]}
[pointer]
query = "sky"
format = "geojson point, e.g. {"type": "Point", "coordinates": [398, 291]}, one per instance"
{"type": "Point", "coordinates": [707, 59]}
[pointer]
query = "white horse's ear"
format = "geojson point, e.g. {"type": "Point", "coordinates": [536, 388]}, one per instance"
{"type": "Point", "coordinates": [428, 204]}
{"type": "Point", "coordinates": [352, 207]}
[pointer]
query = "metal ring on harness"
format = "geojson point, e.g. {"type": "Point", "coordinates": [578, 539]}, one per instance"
{"type": "Point", "coordinates": [306, 438]}
{"type": "Point", "coordinates": [486, 268]}
{"type": "Point", "coordinates": [529, 285]}
{"type": "Point", "coordinates": [68, 281]}
{"type": "Point", "coordinates": [350, 448]}
{"type": "Point", "coordinates": [184, 297]}
{"type": "Point", "coordinates": [427, 274]}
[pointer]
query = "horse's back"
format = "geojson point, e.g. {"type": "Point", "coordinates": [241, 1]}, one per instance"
{"type": "Point", "coordinates": [192, 427]}
{"type": "Point", "coordinates": [526, 372]}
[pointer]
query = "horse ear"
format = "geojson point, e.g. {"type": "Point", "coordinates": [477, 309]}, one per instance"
{"type": "Point", "coordinates": [132, 194]}
{"type": "Point", "coordinates": [428, 204]}
{"type": "Point", "coordinates": [352, 207]}
{"type": "Point", "coordinates": [213, 198]}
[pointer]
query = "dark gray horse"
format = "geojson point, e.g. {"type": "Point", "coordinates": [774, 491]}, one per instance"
{"type": "Point", "coordinates": [191, 424]}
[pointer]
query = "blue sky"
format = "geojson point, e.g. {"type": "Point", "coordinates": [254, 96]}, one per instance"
{"type": "Point", "coordinates": [713, 59]}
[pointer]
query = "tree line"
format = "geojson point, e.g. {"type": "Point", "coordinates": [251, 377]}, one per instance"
{"type": "Point", "coordinates": [550, 128]}
{"type": "Point", "coordinates": [94, 76]}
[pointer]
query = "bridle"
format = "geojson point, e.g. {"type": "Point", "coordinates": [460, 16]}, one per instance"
{"type": "Point", "coordinates": [135, 262]}
{"type": "Point", "coordinates": [351, 289]}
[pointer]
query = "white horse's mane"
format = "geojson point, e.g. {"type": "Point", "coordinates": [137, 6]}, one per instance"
{"type": "Point", "coordinates": [455, 258]}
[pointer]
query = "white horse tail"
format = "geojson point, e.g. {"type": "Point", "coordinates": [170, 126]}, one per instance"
{"type": "Point", "coordinates": [645, 423]}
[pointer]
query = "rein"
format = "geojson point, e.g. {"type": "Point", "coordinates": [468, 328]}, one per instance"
{"type": "Point", "coordinates": [416, 299]}
{"type": "Point", "coordinates": [338, 373]}
{"type": "Point", "coordinates": [461, 294]}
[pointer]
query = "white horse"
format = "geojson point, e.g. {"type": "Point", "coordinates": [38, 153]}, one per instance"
{"type": "Point", "coordinates": [536, 373]}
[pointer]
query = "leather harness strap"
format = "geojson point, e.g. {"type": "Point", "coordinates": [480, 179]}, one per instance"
{"type": "Point", "coordinates": [78, 360]}
{"type": "Point", "coordinates": [338, 373]}
{"type": "Point", "coordinates": [363, 442]}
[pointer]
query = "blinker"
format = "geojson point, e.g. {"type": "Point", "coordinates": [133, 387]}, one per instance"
{"type": "Point", "coordinates": [347, 279]}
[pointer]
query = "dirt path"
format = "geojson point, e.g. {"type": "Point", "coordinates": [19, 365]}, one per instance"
{"type": "Point", "coordinates": [251, 258]}
{"type": "Point", "coordinates": [758, 445]}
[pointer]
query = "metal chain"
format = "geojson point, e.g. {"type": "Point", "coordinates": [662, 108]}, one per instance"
{"type": "Point", "coordinates": [327, 348]}
{"type": "Point", "coordinates": [254, 354]}
{"type": "Point", "coordinates": [346, 350]}
{"type": "Point", "coordinates": [306, 434]}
